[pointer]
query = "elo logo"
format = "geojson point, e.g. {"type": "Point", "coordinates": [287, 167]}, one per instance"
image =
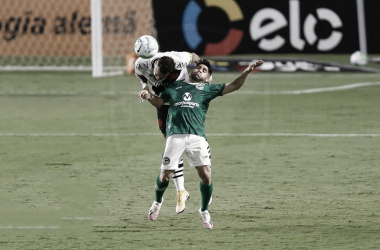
{"type": "Point", "coordinates": [259, 30]}
{"type": "Point", "coordinates": [187, 96]}
{"type": "Point", "coordinates": [191, 34]}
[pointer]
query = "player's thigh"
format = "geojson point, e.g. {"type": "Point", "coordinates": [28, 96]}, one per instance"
{"type": "Point", "coordinates": [197, 151]}
{"type": "Point", "coordinates": [174, 148]}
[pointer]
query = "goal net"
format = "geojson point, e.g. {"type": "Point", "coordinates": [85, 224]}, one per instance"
{"type": "Point", "coordinates": [74, 35]}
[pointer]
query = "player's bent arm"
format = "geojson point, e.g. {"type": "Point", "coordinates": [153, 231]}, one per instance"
{"type": "Point", "coordinates": [235, 85]}
{"type": "Point", "coordinates": [154, 100]}
{"type": "Point", "coordinates": [194, 58]}
{"type": "Point", "coordinates": [143, 80]}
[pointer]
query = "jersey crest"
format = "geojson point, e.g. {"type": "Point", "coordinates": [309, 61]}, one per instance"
{"type": "Point", "coordinates": [200, 86]}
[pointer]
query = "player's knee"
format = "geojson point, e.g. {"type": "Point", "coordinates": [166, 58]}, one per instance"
{"type": "Point", "coordinates": [166, 175]}
{"type": "Point", "coordinates": [204, 174]}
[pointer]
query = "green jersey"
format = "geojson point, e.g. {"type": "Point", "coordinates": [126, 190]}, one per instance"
{"type": "Point", "coordinates": [189, 103]}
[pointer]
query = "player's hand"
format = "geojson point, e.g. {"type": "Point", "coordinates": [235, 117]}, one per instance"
{"type": "Point", "coordinates": [144, 94]}
{"type": "Point", "coordinates": [196, 61]}
{"type": "Point", "coordinates": [254, 65]}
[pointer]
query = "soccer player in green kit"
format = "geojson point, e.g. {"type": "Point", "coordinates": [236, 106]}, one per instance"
{"type": "Point", "coordinates": [185, 131]}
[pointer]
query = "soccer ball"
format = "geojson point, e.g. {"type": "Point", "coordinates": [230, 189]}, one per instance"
{"type": "Point", "coordinates": [146, 46]}
{"type": "Point", "coordinates": [358, 58]}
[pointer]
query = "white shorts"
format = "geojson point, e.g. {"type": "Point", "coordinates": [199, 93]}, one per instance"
{"type": "Point", "coordinates": [196, 148]}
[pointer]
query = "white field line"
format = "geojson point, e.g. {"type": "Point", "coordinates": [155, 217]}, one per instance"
{"type": "Point", "coordinates": [310, 91]}
{"type": "Point", "coordinates": [112, 93]}
{"type": "Point", "coordinates": [297, 75]}
{"type": "Point", "coordinates": [158, 134]}
{"type": "Point", "coordinates": [29, 227]}
{"type": "Point", "coordinates": [77, 218]}
{"type": "Point", "coordinates": [44, 227]}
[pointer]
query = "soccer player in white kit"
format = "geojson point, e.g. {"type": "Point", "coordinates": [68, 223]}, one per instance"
{"type": "Point", "coordinates": [189, 102]}
{"type": "Point", "coordinates": [159, 72]}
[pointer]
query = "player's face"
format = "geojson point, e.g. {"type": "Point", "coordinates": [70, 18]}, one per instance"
{"type": "Point", "coordinates": [158, 75]}
{"type": "Point", "coordinates": [200, 73]}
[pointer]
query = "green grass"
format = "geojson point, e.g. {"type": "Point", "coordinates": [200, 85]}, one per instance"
{"type": "Point", "coordinates": [73, 163]}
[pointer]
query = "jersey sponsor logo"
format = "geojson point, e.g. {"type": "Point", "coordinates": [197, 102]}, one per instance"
{"type": "Point", "coordinates": [166, 161]}
{"type": "Point", "coordinates": [181, 65]}
{"type": "Point", "coordinates": [186, 103]}
{"type": "Point", "coordinates": [187, 96]}
{"type": "Point", "coordinates": [144, 65]}
{"type": "Point", "coordinates": [200, 86]}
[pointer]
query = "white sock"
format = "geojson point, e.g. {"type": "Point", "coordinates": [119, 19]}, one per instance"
{"type": "Point", "coordinates": [178, 179]}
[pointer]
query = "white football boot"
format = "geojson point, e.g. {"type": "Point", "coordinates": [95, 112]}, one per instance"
{"type": "Point", "coordinates": [206, 218]}
{"type": "Point", "coordinates": [182, 197]}
{"type": "Point", "coordinates": [154, 210]}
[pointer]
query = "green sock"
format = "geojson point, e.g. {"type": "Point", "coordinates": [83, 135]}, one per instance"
{"type": "Point", "coordinates": [206, 192]}
{"type": "Point", "coordinates": [160, 189]}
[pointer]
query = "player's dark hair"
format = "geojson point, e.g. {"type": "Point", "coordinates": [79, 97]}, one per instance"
{"type": "Point", "coordinates": [166, 64]}
{"type": "Point", "coordinates": [207, 64]}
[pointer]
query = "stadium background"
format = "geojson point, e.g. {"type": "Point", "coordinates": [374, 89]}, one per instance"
{"type": "Point", "coordinates": [295, 153]}
{"type": "Point", "coordinates": [46, 33]}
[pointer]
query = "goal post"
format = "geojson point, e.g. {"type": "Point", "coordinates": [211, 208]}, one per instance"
{"type": "Point", "coordinates": [362, 29]}
{"type": "Point", "coordinates": [96, 38]}
{"type": "Point", "coordinates": [72, 35]}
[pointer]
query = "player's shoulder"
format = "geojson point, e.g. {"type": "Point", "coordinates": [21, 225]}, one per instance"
{"type": "Point", "coordinates": [146, 64]}
{"type": "Point", "coordinates": [148, 60]}
{"type": "Point", "coordinates": [177, 54]}
{"type": "Point", "coordinates": [177, 83]}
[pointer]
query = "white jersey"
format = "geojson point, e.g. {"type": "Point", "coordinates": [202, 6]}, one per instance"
{"type": "Point", "coordinates": [145, 67]}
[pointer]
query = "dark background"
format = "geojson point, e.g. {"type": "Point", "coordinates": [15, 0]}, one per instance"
{"type": "Point", "coordinates": [213, 25]}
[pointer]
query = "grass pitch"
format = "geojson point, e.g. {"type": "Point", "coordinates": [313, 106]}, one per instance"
{"type": "Point", "coordinates": [79, 159]}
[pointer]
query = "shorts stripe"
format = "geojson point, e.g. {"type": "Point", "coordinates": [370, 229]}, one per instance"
{"type": "Point", "coordinates": [178, 171]}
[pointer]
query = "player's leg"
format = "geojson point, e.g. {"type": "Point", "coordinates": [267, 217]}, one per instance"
{"type": "Point", "coordinates": [162, 182]}
{"type": "Point", "coordinates": [173, 151]}
{"type": "Point", "coordinates": [206, 187]}
{"type": "Point", "coordinates": [178, 177]}
{"type": "Point", "coordinates": [209, 153]}
{"type": "Point", "coordinates": [209, 156]}
{"type": "Point", "coordinates": [197, 152]}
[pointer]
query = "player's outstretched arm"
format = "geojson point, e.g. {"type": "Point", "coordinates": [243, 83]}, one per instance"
{"type": "Point", "coordinates": [154, 100]}
{"type": "Point", "coordinates": [235, 85]}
